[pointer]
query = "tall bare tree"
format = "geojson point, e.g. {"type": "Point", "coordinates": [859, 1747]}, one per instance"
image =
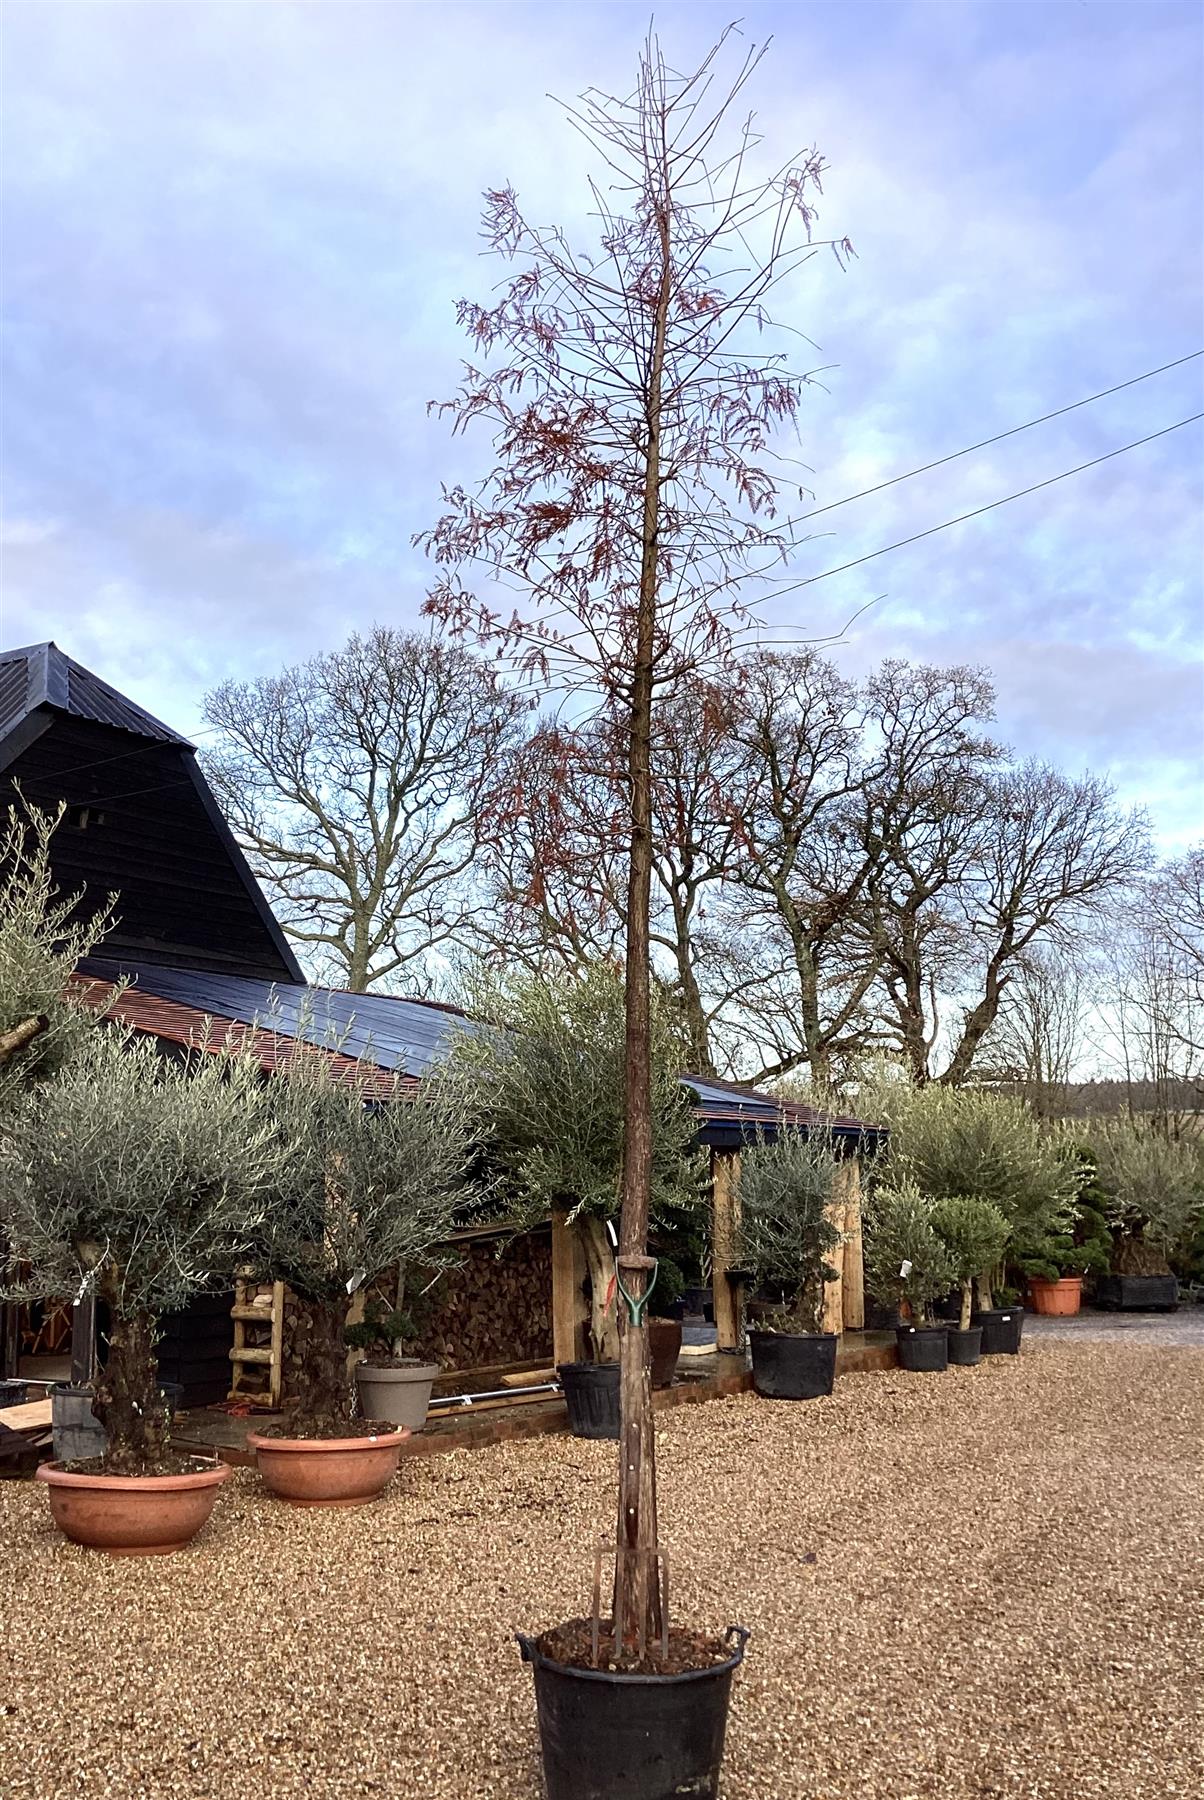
{"type": "Point", "coordinates": [360, 784]}
{"type": "Point", "coordinates": [633, 397]}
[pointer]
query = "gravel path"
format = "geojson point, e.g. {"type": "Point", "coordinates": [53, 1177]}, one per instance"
{"type": "Point", "coordinates": [1005, 1600]}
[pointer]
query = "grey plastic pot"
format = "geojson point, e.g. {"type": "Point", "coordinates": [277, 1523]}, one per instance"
{"type": "Point", "coordinates": [400, 1395]}
{"type": "Point", "coordinates": [78, 1434]}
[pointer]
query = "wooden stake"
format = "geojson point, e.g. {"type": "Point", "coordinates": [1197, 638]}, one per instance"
{"type": "Point", "coordinates": [567, 1300]}
{"type": "Point", "coordinates": [853, 1285]}
{"type": "Point", "coordinates": [837, 1208]}
{"type": "Point", "coordinates": [725, 1248]}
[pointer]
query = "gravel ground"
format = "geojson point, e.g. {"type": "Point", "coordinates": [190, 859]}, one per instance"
{"type": "Point", "coordinates": [1005, 1601]}
{"type": "Point", "coordinates": [1163, 1330]}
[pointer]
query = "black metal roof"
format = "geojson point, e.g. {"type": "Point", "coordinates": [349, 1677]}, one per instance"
{"type": "Point", "coordinates": [42, 675]}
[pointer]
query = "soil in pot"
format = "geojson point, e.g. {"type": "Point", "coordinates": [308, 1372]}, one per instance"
{"type": "Point", "coordinates": [965, 1347]}
{"type": "Point", "coordinates": [1057, 1299]}
{"type": "Point", "coordinates": [1001, 1330]}
{"type": "Point", "coordinates": [591, 1392]}
{"type": "Point", "coordinates": [923, 1349]}
{"type": "Point", "coordinates": [329, 1471]}
{"type": "Point", "coordinates": [611, 1735]}
{"type": "Point", "coordinates": [132, 1515]}
{"type": "Point", "coordinates": [664, 1348]}
{"type": "Point", "coordinates": [398, 1391]}
{"type": "Point", "coordinates": [793, 1365]}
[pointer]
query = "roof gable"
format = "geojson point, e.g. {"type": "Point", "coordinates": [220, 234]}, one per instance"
{"type": "Point", "coordinates": [42, 675]}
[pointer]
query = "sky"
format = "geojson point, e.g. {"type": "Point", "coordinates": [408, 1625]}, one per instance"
{"type": "Point", "coordinates": [232, 237]}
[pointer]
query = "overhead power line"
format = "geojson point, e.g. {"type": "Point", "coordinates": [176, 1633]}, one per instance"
{"type": "Point", "coordinates": [977, 512]}
{"type": "Point", "coordinates": [999, 436]}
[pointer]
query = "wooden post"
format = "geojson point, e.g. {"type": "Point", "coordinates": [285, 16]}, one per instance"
{"type": "Point", "coordinates": [83, 1341]}
{"type": "Point", "coordinates": [853, 1283]}
{"type": "Point", "coordinates": [837, 1208]}
{"type": "Point", "coordinates": [725, 1249]}
{"type": "Point", "coordinates": [568, 1304]}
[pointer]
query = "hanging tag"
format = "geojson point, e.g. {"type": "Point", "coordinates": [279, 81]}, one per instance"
{"type": "Point", "coordinates": [904, 1270]}
{"type": "Point", "coordinates": [612, 1233]}
{"type": "Point", "coordinates": [357, 1280]}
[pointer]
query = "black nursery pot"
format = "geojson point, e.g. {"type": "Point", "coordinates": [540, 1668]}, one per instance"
{"type": "Point", "coordinates": [1137, 1293]}
{"type": "Point", "coordinates": [591, 1392]}
{"type": "Point", "coordinates": [606, 1736]}
{"type": "Point", "coordinates": [1001, 1329]}
{"type": "Point", "coordinates": [965, 1347]}
{"type": "Point", "coordinates": [923, 1349]}
{"type": "Point", "coordinates": [793, 1366]}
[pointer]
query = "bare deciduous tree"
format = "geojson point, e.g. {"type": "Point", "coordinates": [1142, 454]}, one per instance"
{"type": "Point", "coordinates": [633, 398]}
{"type": "Point", "coordinates": [359, 783]}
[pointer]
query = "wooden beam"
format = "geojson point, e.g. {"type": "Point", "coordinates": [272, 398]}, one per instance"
{"type": "Point", "coordinates": [853, 1282]}
{"type": "Point", "coordinates": [568, 1303]}
{"type": "Point", "coordinates": [83, 1341]}
{"type": "Point", "coordinates": [725, 1249]}
{"type": "Point", "coordinates": [833, 1313]}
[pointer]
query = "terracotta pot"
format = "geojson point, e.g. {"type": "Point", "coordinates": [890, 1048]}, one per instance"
{"type": "Point", "coordinates": [664, 1348]}
{"type": "Point", "coordinates": [132, 1515]}
{"type": "Point", "coordinates": [400, 1396]}
{"type": "Point", "coordinates": [1057, 1299]}
{"type": "Point", "coordinates": [327, 1471]}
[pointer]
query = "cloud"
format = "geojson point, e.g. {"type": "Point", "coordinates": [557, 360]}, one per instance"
{"type": "Point", "coordinates": [234, 237]}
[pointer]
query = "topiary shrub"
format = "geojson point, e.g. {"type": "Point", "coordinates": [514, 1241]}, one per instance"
{"type": "Point", "coordinates": [974, 1234]}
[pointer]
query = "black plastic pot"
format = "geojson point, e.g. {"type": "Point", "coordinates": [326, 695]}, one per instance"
{"type": "Point", "coordinates": [924, 1349]}
{"type": "Point", "coordinates": [632, 1737]}
{"type": "Point", "coordinates": [591, 1392]}
{"type": "Point", "coordinates": [965, 1347]}
{"type": "Point", "coordinates": [1137, 1293]}
{"type": "Point", "coordinates": [13, 1393]}
{"type": "Point", "coordinates": [790, 1366]}
{"type": "Point", "coordinates": [1001, 1329]}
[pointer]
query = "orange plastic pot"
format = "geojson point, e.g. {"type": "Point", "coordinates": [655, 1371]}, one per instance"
{"type": "Point", "coordinates": [1057, 1299]}
{"type": "Point", "coordinates": [327, 1471]}
{"type": "Point", "coordinates": [132, 1515]}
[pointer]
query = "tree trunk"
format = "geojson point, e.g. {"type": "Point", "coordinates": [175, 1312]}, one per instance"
{"type": "Point", "coordinates": [20, 1036]}
{"type": "Point", "coordinates": [128, 1402]}
{"type": "Point", "coordinates": [637, 1597]}
{"type": "Point", "coordinates": [983, 1284]}
{"type": "Point", "coordinates": [603, 1307]}
{"type": "Point", "coordinates": [325, 1393]}
{"type": "Point", "coordinates": [967, 1301]}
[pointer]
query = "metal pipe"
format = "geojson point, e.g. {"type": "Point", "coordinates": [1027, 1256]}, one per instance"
{"type": "Point", "coordinates": [510, 1393]}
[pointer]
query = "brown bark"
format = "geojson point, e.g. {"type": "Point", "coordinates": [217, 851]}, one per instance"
{"type": "Point", "coordinates": [128, 1402]}
{"type": "Point", "coordinates": [637, 1598]}
{"type": "Point", "coordinates": [603, 1306]}
{"type": "Point", "coordinates": [12, 1042]}
{"type": "Point", "coordinates": [324, 1389]}
{"type": "Point", "coordinates": [967, 1302]}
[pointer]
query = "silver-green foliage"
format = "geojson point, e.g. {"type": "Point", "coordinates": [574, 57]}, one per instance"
{"type": "Point", "coordinates": [41, 942]}
{"type": "Point", "coordinates": [140, 1178]}
{"type": "Point", "coordinates": [361, 1184]}
{"type": "Point", "coordinates": [904, 1257]}
{"type": "Point", "coordinates": [975, 1234]}
{"type": "Point", "coordinates": [547, 1087]}
{"type": "Point", "coordinates": [785, 1190]}
{"type": "Point", "coordinates": [1154, 1184]}
{"type": "Point", "coordinates": [951, 1142]}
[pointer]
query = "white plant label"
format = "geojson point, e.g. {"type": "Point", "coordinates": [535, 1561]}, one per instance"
{"type": "Point", "coordinates": [357, 1280]}
{"type": "Point", "coordinates": [904, 1270]}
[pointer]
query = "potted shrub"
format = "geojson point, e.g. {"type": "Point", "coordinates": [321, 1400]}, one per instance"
{"type": "Point", "coordinates": [391, 1384]}
{"type": "Point", "coordinates": [956, 1141]}
{"type": "Point", "coordinates": [905, 1261]}
{"type": "Point", "coordinates": [1055, 1270]}
{"type": "Point", "coordinates": [138, 1180]}
{"type": "Point", "coordinates": [545, 1088]}
{"type": "Point", "coordinates": [1152, 1190]}
{"type": "Point", "coordinates": [974, 1234]}
{"type": "Point", "coordinates": [785, 1192]}
{"type": "Point", "coordinates": [365, 1185]}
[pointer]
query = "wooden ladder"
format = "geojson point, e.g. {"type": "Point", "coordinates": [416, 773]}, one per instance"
{"type": "Point", "coordinates": [257, 1356]}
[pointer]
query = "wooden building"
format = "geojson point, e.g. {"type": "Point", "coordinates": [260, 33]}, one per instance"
{"type": "Point", "coordinates": [199, 945]}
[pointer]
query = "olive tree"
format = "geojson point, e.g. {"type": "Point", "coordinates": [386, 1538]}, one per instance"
{"type": "Point", "coordinates": [1152, 1189]}
{"type": "Point", "coordinates": [545, 1087]}
{"type": "Point", "coordinates": [975, 1235]}
{"type": "Point", "coordinates": [139, 1181]}
{"type": "Point", "coordinates": [786, 1232]}
{"type": "Point", "coordinates": [367, 1180]}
